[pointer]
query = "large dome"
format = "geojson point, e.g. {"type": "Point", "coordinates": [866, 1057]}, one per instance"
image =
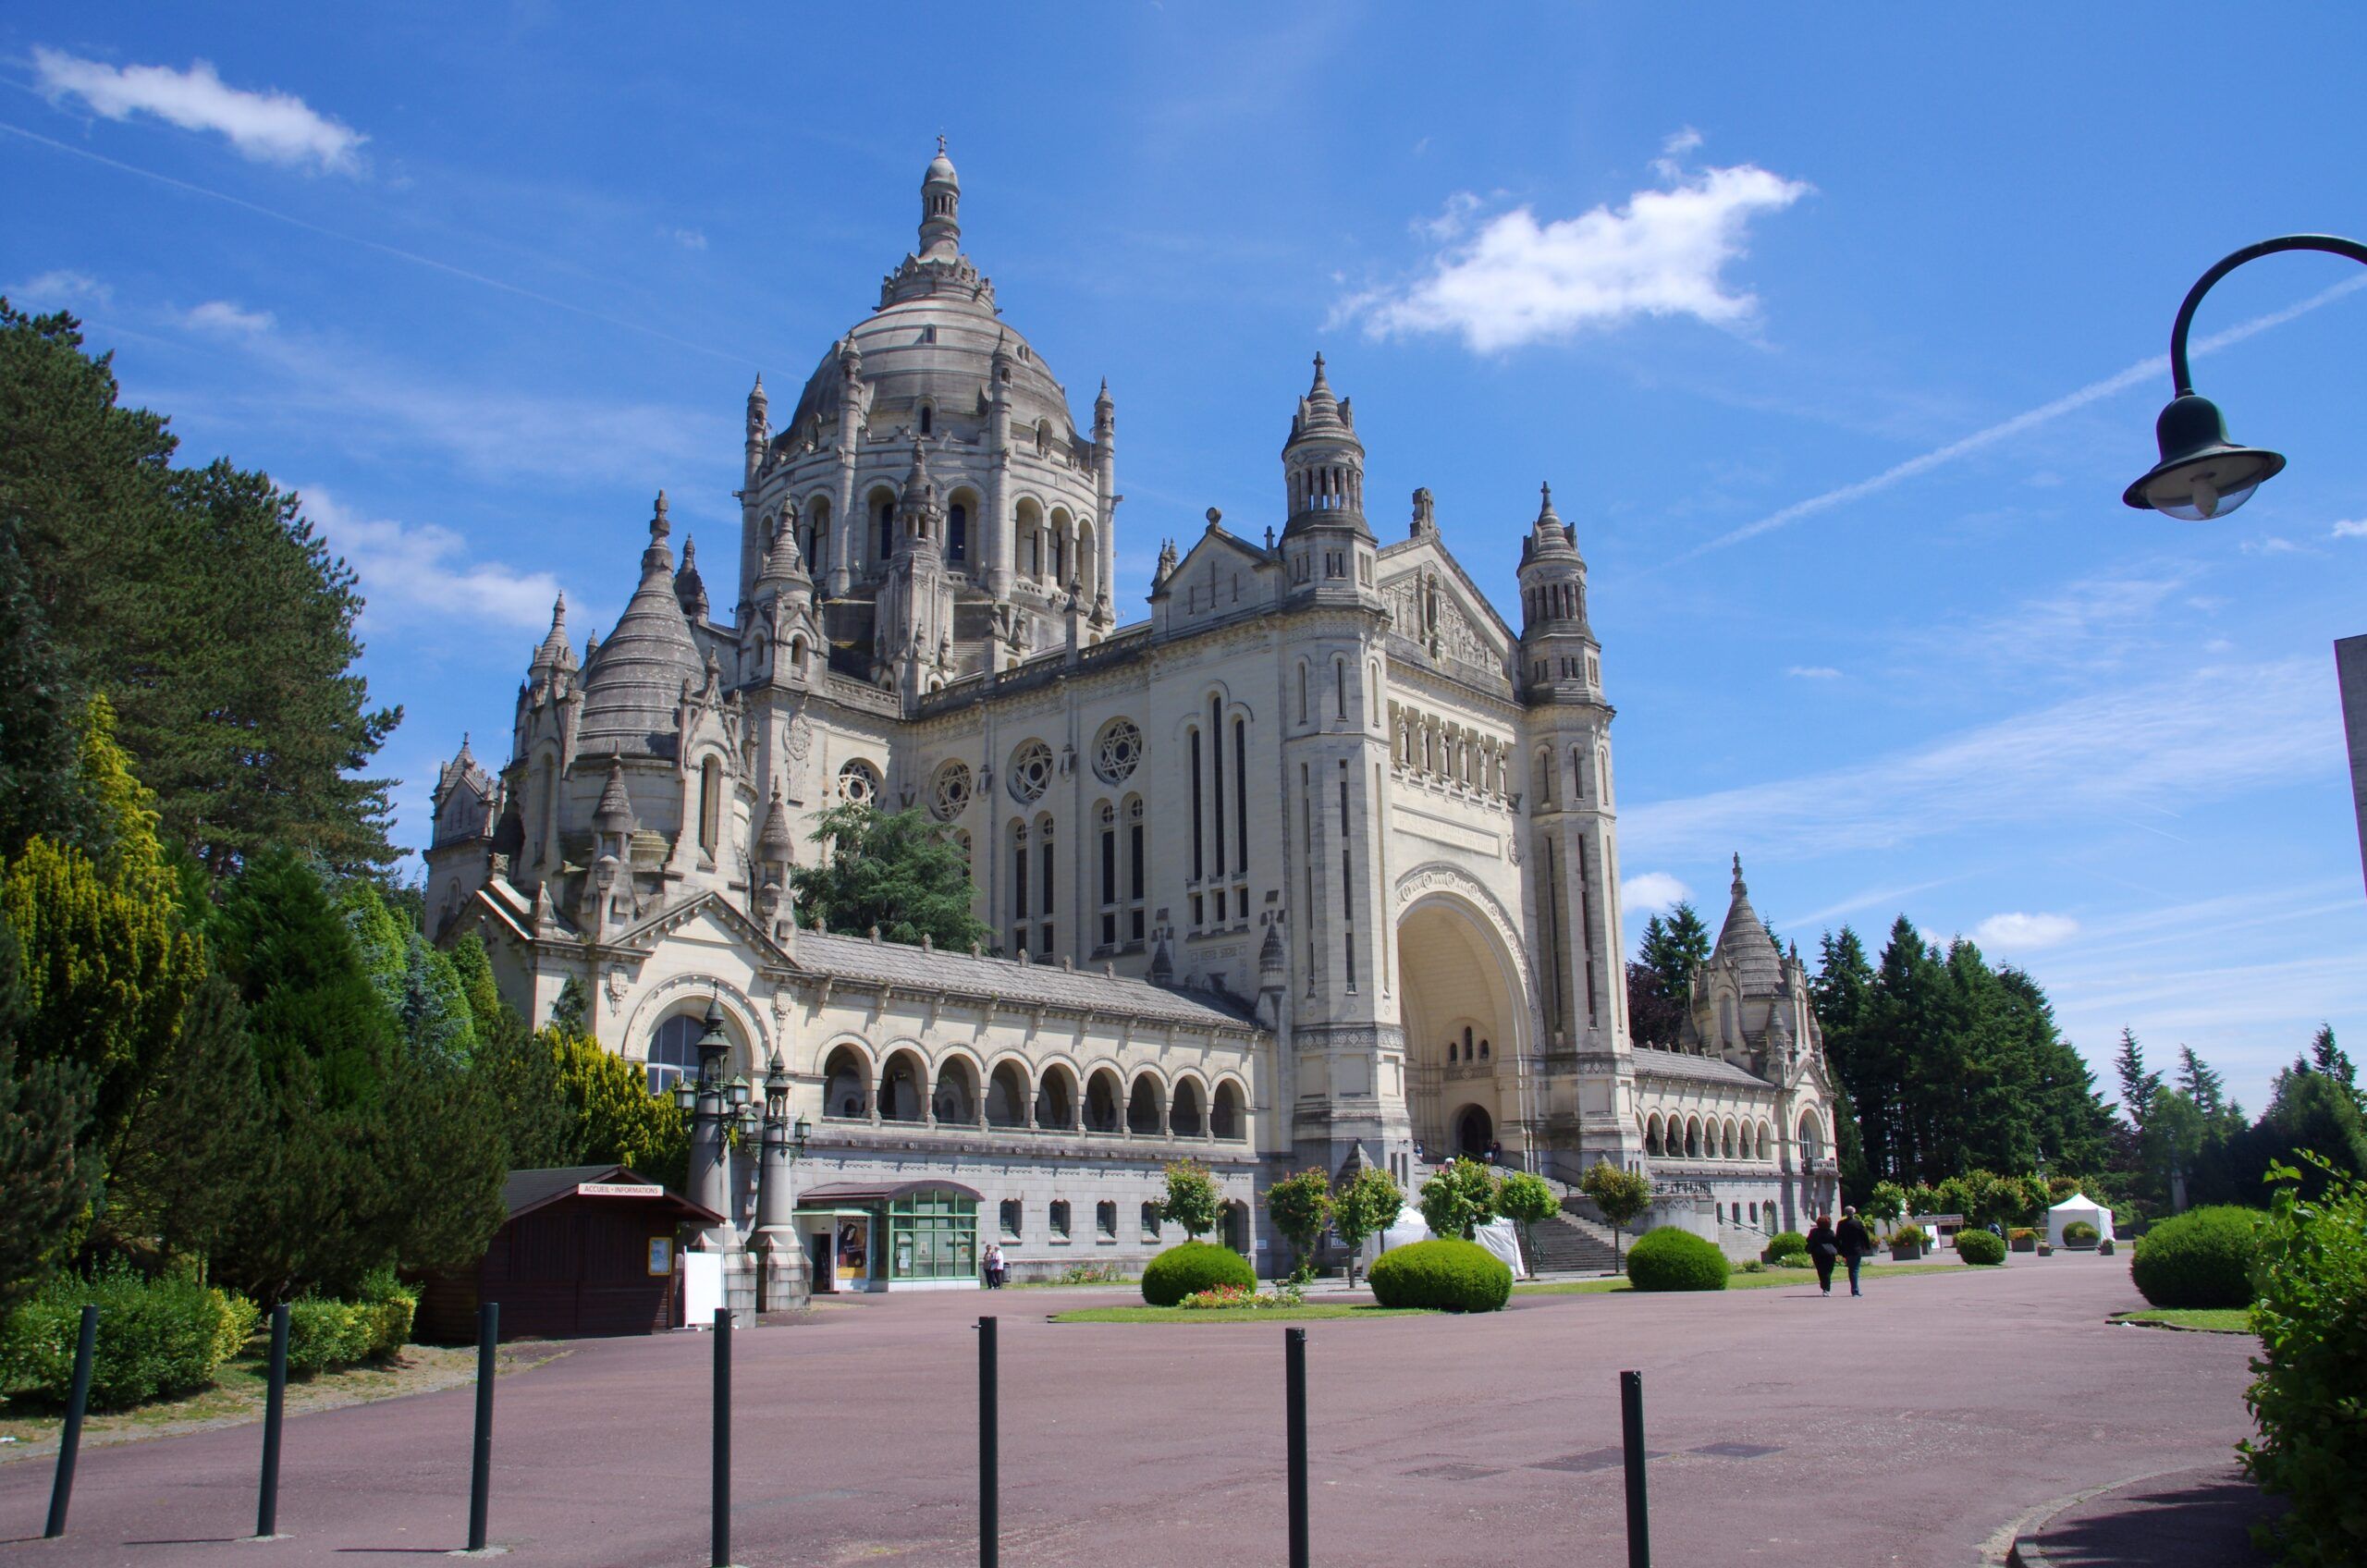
{"type": "Point", "coordinates": [932, 340]}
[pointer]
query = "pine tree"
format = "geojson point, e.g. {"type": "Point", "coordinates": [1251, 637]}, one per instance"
{"type": "Point", "coordinates": [2335, 1062]}
{"type": "Point", "coordinates": [39, 792]}
{"type": "Point", "coordinates": [1660, 981]}
{"type": "Point", "coordinates": [48, 1178]}
{"type": "Point", "coordinates": [2138, 1086]}
{"type": "Point", "coordinates": [2200, 1084]}
{"type": "Point", "coordinates": [901, 873]}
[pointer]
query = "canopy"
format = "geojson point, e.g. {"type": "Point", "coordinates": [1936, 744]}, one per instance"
{"type": "Point", "coordinates": [2073, 1209]}
{"type": "Point", "coordinates": [1498, 1236]}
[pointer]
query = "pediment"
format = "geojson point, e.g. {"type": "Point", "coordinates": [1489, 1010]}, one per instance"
{"type": "Point", "coordinates": [709, 917]}
{"type": "Point", "coordinates": [1432, 602]}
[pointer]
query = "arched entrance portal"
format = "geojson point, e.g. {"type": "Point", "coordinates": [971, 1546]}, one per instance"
{"type": "Point", "coordinates": [1464, 1020]}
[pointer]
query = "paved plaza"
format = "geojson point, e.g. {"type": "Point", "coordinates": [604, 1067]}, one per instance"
{"type": "Point", "coordinates": [1914, 1426]}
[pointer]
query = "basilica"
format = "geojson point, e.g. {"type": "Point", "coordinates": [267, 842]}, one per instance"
{"type": "Point", "coordinates": [1315, 864]}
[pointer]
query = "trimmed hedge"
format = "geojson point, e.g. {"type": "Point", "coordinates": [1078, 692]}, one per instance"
{"type": "Point", "coordinates": [2203, 1257]}
{"type": "Point", "coordinates": [1671, 1260]}
{"type": "Point", "coordinates": [157, 1338]}
{"type": "Point", "coordinates": [1447, 1275]}
{"type": "Point", "coordinates": [1782, 1243]}
{"type": "Point", "coordinates": [1193, 1266]}
{"type": "Point", "coordinates": [324, 1335]}
{"type": "Point", "coordinates": [2079, 1233]}
{"type": "Point", "coordinates": [1980, 1248]}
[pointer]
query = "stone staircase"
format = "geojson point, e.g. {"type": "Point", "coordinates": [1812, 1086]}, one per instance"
{"type": "Point", "coordinates": [1570, 1244]}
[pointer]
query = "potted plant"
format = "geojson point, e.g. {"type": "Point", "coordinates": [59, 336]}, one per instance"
{"type": "Point", "coordinates": [2046, 1249]}
{"type": "Point", "coordinates": [2021, 1237]}
{"type": "Point", "coordinates": [1907, 1244]}
{"type": "Point", "coordinates": [2078, 1235]}
{"type": "Point", "coordinates": [2103, 1248]}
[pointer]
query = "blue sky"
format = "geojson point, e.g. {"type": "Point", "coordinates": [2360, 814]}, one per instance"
{"type": "Point", "coordinates": [1835, 339]}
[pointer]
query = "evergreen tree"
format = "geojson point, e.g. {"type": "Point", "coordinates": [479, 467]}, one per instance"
{"type": "Point", "coordinates": [2138, 1086]}
{"type": "Point", "coordinates": [48, 1178]}
{"type": "Point", "coordinates": [901, 873]}
{"type": "Point", "coordinates": [38, 699]}
{"type": "Point", "coordinates": [613, 1118]}
{"type": "Point", "coordinates": [2200, 1084]}
{"type": "Point", "coordinates": [2330, 1059]}
{"type": "Point", "coordinates": [1659, 982]}
{"type": "Point", "coordinates": [201, 602]}
{"type": "Point", "coordinates": [178, 1175]}
{"type": "Point", "coordinates": [1839, 991]}
{"type": "Point", "coordinates": [521, 1075]}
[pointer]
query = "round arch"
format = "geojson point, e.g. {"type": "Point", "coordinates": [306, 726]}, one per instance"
{"type": "Point", "coordinates": [1454, 971]}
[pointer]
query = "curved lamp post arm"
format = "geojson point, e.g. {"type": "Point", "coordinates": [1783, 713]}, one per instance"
{"type": "Point", "coordinates": [2331, 244]}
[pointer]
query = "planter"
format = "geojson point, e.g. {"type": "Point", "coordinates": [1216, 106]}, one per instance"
{"type": "Point", "coordinates": [1906, 1253]}
{"type": "Point", "coordinates": [2104, 1249]}
{"type": "Point", "coordinates": [2080, 1246]}
{"type": "Point", "coordinates": [2046, 1249]}
{"type": "Point", "coordinates": [2026, 1244]}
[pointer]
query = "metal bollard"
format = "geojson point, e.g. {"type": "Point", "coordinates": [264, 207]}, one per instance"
{"type": "Point", "coordinates": [990, 1450]}
{"type": "Point", "coordinates": [1631, 1424]}
{"type": "Point", "coordinates": [1294, 1423]}
{"type": "Point", "coordinates": [275, 1411]}
{"type": "Point", "coordinates": [481, 1464]}
{"type": "Point", "coordinates": [70, 1441]}
{"type": "Point", "coordinates": [720, 1557]}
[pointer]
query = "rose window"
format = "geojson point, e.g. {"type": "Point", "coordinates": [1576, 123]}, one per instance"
{"type": "Point", "coordinates": [1031, 771]}
{"type": "Point", "coordinates": [859, 782]}
{"type": "Point", "coordinates": [952, 796]}
{"type": "Point", "coordinates": [1117, 752]}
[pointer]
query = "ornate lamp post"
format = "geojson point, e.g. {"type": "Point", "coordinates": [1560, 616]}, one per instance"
{"type": "Point", "coordinates": [782, 1279]}
{"type": "Point", "coordinates": [2203, 474]}
{"type": "Point", "coordinates": [716, 1110]}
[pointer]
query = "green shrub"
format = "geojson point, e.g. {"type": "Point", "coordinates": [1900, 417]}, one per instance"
{"type": "Point", "coordinates": [1909, 1235]}
{"type": "Point", "coordinates": [1671, 1259]}
{"type": "Point", "coordinates": [1447, 1274]}
{"type": "Point", "coordinates": [322, 1334]}
{"type": "Point", "coordinates": [1193, 1266]}
{"type": "Point", "coordinates": [157, 1338]}
{"type": "Point", "coordinates": [2311, 1320]}
{"type": "Point", "coordinates": [1782, 1243]}
{"type": "Point", "coordinates": [2079, 1233]}
{"type": "Point", "coordinates": [2203, 1257]}
{"type": "Point", "coordinates": [1979, 1247]}
{"type": "Point", "coordinates": [1795, 1260]}
{"type": "Point", "coordinates": [2025, 1233]}
{"type": "Point", "coordinates": [1753, 1265]}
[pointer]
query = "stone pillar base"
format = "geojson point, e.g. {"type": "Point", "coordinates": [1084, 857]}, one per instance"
{"type": "Point", "coordinates": [782, 1277]}
{"type": "Point", "coordinates": [739, 1274]}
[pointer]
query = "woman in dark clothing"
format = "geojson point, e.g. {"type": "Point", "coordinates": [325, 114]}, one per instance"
{"type": "Point", "coordinates": [1824, 1248]}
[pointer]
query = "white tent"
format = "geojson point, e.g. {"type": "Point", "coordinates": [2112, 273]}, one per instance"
{"type": "Point", "coordinates": [2073, 1209]}
{"type": "Point", "coordinates": [1498, 1236]}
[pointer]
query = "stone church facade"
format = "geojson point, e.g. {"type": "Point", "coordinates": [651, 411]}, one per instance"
{"type": "Point", "coordinates": [1318, 860]}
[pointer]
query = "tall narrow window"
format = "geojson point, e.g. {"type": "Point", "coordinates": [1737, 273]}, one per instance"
{"type": "Point", "coordinates": [1340, 687]}
{"type": "Point", "coordinates": [710, 805]}
{"type": "Point", "coordinates": [1108, 845]}
{"type": "Point", "coordinates": [1044, 833]}
{"type": "Point", "coordinates": [1060, 558]}
{"type": "Point", "coordinates": [957, 532]}
{"type": "Point", "coordinates": [886, 530]}
{"type": "Point", "coordinates": [927, 418]}
{"type": "Point", "coordinates": [1019, 887]}
{"type": "Point", "coordinates": [1137, 868]}
{"type": "Point", "coordinates": [1199, 865]}
{"type": "Point", "coordinates": [1216, 775]}
{"type": "Point", "coordinates": [1241, 799]}
{"type": "Point", "coordinates": [1302, 691]}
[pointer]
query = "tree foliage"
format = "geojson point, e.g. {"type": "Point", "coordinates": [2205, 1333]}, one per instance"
{"type": "Point", "coordinates": [1192, 1198]}
{"type": "Point", "coordinates": [1300, 1207]}
{"type": "Point", "coordinates": [1365, 1205]}
{"type": "Point", "coordinates": [47, 1179]}
{"type": "Point", "coordinates": [1527, 1201]}
{"type": "Point", "coordinates": [1458, 1199]}
{"type": "Point", "coordinates": [901, 873]}
{"type": "Point", "coordinates": [199, 601]}
{"type": "Point", "coordinates": [1659, 982]}
{"type": "Point", "coordinates": [1622, 1196]}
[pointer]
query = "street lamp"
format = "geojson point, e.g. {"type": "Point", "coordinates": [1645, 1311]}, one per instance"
{"type": "Point", "coordinates": [2203, 475]}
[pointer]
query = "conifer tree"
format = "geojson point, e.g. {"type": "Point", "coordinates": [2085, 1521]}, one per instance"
{"type": "Point", "coordinates": [2138, 1086]}
{"type": "Point", "coordinates": [48, 1178]}
{"type": "Point", "coordinates": [901, 873]}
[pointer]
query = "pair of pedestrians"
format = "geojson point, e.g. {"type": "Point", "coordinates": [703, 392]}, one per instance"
{"type": "Point", "coordinates": [1848, 1242]}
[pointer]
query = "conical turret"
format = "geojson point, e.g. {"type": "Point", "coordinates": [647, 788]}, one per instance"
{"type": "Point", "coordinates": [633, 684]}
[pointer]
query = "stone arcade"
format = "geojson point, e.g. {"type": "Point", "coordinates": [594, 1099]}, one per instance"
{"type": "Point", "coordinates": [1320, 861]}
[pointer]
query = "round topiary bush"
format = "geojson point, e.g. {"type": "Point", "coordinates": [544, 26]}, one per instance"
{"type": "Point", "coordinates": [1671, 1259]}
{"type": "Point", "coordinates": [2079, 1233]}
{"type": "Point", "coordinates": [1782, 1244]}
{"type": "Point", "coordinates": [1449, 1275]}
{"type": "Point", "coordinates": [1183, 1270]}
{"type": "Point", "coordinates": [2203, 1257]}
{"type": "Point", "coordinates": [1981, 1247]}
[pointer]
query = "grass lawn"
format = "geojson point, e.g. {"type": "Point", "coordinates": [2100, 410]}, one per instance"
{"type": "Point", "coordinates": [237, 1396]}
{"type": "Point", "coordinates": [1305, 1314]}
{"type": "Point", "coordinates": [2201, 1319]}
{"type": "Point", "coordinates": [1738, 1280]}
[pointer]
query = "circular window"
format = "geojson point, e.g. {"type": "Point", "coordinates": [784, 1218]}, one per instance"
{"type": "Point", "coordinates": [951, 795]}
{"type": "Point", "coordinates": [1031, 771]}
{"type": "Point", "coordinates": [859, 782]}
{"type": "Point", "coordinates": [1117, 750]}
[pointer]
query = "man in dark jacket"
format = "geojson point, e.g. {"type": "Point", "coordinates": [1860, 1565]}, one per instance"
{"type": "Point", "coordinates": [1855, 1245]}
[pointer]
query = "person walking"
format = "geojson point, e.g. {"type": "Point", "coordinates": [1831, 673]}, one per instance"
{"type": "Point", "coordinates": [1854, 1243]}
{"type": "Point", "coordinates": [1824, 1248]}
{"type": "Point", "coordinates": [994, 1266]}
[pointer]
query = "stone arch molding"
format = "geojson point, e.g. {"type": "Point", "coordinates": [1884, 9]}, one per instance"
{"type": "Point", "coordinates": [737, 1002]}
{"type": "Point", "coordinates": [1442, 876]}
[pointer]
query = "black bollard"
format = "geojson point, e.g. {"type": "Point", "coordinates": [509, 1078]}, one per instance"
{"type": "Point", "coordinates": [70, 1441]}
{"type": "Point", "coordinates": [1631, 1424]}
{"type": "Point", "coordinates": [275, 1408]}
{"type": "Point", "coordinates": [989, 1452]}
{"type": "Point", "coordinates": [480, 1463]}
{"type": "Point", "coordinates": [1294, 1422]}
{"type": "Point", "coordinates": [721, 1555]}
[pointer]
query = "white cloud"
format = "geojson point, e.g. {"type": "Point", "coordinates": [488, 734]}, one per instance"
{"type": "Point", "coordinates": [1517, 281]}
{"type": "Point", "coordinates": [1669, 165]}
{"type": "Point", "coordinates": [60, 286]}
{"type": "Point", "coordinates": [2143, 371]}
{"type": "Point", "coordinates": [1453, 219]}
{"type": "Point", "coordinates": [2349, 528]}
{"type": "Point", "coordinates": [689, 238]}
{"type": "Point", "coordinates": [2088, 759]}
{"type": "Point", "coordinates": [271, 128]}
{"type": "Point", "coordinates": [2016, 932]}
{"type": "Point", "coordinates": [421, 572]}
{"type": "Point", "coordinates": [2270, 545]}
{"type": "Point", "coordinates": [1814, 672]}
{"type": "Point", "coordinates": [221, 315]}
{"type": "Point", "coordinates": [1651, 892]}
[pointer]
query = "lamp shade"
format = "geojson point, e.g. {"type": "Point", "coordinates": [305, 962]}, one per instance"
{"type": "Point", "coordinates": [2201, 474]}
{"type": "Point", "coordinates": [686, 1093]}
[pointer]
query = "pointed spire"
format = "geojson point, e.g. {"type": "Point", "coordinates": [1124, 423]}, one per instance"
{"type": "Point", "coordinates": [775, 843]}
{"type": "Point", "coordinates": [1744, 945]}
{"type": "Point", "coordinates": [1739, 891]}
{"type": "Point", "coordinates": [554, 653]}
{"type": "Point", "coordinates": [614, 813]}
{"type": "Point", "coordinates": [690, 588]}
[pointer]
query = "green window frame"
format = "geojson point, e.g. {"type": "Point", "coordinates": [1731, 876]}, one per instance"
{"type": "Point", "coordinates": [933, 1235]}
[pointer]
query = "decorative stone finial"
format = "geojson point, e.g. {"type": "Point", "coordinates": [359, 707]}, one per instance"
{"type": "Point", "coordinates": [1215, 517]}
{"type": "Point", "coordinates": [1739, 890]}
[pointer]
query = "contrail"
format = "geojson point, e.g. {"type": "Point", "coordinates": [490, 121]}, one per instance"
{"type": "Point", "coordinates": [412, 256]}
{"type": "Point", "coordinates": [2145, 370]}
